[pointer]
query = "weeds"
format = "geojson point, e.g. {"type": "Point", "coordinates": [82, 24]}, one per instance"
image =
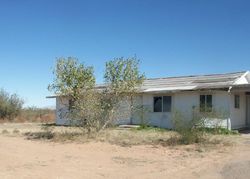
{"type": "Point", "coordinates": [46, 135]}
{"type": "Point", "coordinates": [126, 138]}
{"type": "Point", "coordinates": [220, 131]}
{"type": "Point", "coordinates": [15, 131]}
{"type": "Point", "coordinates": [5, 131]}
{"type": "Point", "coordinates": [149, 128]}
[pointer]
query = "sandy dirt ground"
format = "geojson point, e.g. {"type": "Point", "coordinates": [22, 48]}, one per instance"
{"type": "Point", "coordinates": [22, 158]}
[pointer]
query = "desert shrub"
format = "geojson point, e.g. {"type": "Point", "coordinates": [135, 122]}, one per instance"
{"type": "Point", "coordinates": [10, 105]}
{"type": "Point", "coordinates": [187, 129]}
{"type": "Point", "coordinates": [193, 130]}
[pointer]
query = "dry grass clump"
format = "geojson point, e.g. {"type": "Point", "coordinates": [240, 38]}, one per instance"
{"type": "Point", "coordinates": [130, 137]}
{"type": "Point", "coordinates": [5, 131]}
{"type": "Point", "coordinates": [16, 131]}
{"type": "Point", "coordinates": [124, 137]}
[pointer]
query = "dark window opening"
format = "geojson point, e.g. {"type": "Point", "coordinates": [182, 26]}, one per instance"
{"type": "Point", "coordinates": [237, 101]}
{"type": "Point", "coordinates": [157, 104]}
{"type": "Point", "coordinates": [167, 102]}
{"type": "Point", "coordinates": [206, 103]}
{"type": "Point", "coordinates": [162, 104]}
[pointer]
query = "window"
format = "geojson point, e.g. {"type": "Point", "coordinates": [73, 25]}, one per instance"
{"type": "Point", "coordinates": [167, 103]}
{"type": "Point", "coordinates": [237, 101]}
{"type": "Point", "coordinates": [157, 104]}
{"type": "Point", "coordinates": [162, 103]}
{"type": "Point", "coordinates": [206, 102]}
{"type": "Point", "coordinates": [71, 104]}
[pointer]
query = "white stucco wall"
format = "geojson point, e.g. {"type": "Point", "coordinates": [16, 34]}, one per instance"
{"type": "Point", "coordinates": [184, 102]}
{"type": "Point", "coordinates": [181, 101]}
{"type": "Point", "coordinates": [248, 110]}
{"type": "Point", "coordinates": [238, 116]}
{"type": "Point", "coordinates": [62, 106]}
{"type": "Point", "coordinates": [149, 117]}
{"type": "Point", "coordinates": [124, 114]}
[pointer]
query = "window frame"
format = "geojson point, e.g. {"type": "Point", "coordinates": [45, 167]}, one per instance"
{"type": "Point", "coordinates": [154, 107]}
{"type": "Point", "coordinates": [237, 103]}
{"type": "Point", "coordinates": [207, 107]}
{"type": "Point", "coordinates": [163, 110]}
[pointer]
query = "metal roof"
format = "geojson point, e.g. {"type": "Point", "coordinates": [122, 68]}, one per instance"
{"type": "Point", "coordinates": [187, 83]}
{"type": "Point", "coordinates": [183, 83]}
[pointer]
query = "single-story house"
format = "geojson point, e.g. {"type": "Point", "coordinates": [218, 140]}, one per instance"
{"type": "Point", "coordinates": [228, 92]}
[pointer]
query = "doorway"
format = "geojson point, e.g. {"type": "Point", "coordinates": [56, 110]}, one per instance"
{"type": "Point", "coordinates": [248, 110]}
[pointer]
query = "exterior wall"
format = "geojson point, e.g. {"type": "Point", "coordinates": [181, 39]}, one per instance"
{"type": "Point", "coordinates": [62, 106]}
{"type": "Point", "coordinates": [221, 103]}
{"type": "Point", "coordinates": [183, 102]}
{"type": "Point", "coordinates": [124, 114]}
{"type": "Point", "coordinates": [238, 116]}
{"type": "Point", "coordinates": [161, 119]}
{"type": "Point", "coordinates": [248, 110]}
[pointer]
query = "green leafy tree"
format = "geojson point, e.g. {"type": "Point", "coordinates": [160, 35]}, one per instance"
{"type": "Point", "coordinates": [95, 108]}
{"type": "Point", "coordinates": [75, 81]}
{"type": "Point", "coordinates": [123, 75]}
{"type": "Point", "coordinates": [123, 79]}
{"type": "Point", "coordinates": [72, 78]}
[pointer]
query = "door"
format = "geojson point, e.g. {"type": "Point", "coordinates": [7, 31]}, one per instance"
{"type": "Point", "coordinates": [248, 110]}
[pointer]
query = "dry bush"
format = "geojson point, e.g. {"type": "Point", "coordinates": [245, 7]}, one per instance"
{"type": "Point", "coordinates": [10, 105]}
{"type": "Point", "coordinates": [194, 130]}
{"type": "Point", "coordinates": [33, 114]}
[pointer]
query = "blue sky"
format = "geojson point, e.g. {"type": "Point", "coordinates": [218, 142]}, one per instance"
{"type": "Point", "coordinates": [171, 37]}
